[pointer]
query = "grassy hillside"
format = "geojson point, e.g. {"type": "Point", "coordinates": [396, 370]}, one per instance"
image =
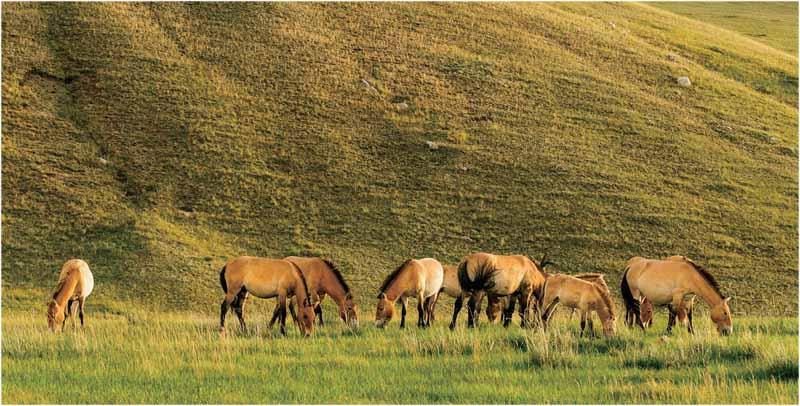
{"type": "Point", "coordinates": [158, 140]}
{"type": "Point", "coordinates": [773, 23]}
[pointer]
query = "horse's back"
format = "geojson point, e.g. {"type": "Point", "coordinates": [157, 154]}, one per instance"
{"type": "Point", "coordinates": [262, 277]}
{"type": "Point", "coordinates": [658, 279]}
{"type": "Point", "coordinates": [433, 274]}
{"type": "Point", "coordinates": [86, 280]}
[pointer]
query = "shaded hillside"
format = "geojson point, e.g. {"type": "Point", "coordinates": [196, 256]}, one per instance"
{"type": "Point", "coordinates": [157, 140]}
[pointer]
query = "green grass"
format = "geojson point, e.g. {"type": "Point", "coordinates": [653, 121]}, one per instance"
{"type": "Point", "coordinates": [773, 23]}
{"type": "Point", "coordinates": [168, 358]}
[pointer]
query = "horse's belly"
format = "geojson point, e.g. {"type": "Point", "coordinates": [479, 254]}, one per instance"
{"type": "Point", "coordinates": [658, 292]}
{"type": "Point", "coordinates": [264, 291]}
{"type": "Point", "coordinates": [87, 283]}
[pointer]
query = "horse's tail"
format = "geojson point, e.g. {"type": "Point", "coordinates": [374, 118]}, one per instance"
{"type": "Point", "coordinates": [463, 276]}
{"type": "Point", "coordinates": [631, 304]}
{"type": "Point", "coordinates": [483, 278]}
{"type": "Point", "coordinates": [222, 281]}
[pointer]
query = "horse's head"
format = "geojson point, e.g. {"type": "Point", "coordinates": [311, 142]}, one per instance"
{"type": "Point", "coordinates": [384, 311]}
{"type": "Point", "coordinates": [350, 312]}
{"type": "Point", "coordinates": [721, 316]}
{"type": "Point", "coordinates": [610, 326]}
{"type": "Point", "coordinates": [55, 316]}
{"type": "Point", "coordinates": [646, 312]}
{"type": "Point", "coordinates": [305, 314]}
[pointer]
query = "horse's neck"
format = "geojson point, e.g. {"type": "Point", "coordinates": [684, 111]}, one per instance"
{"type": "Point", "coordinates": [67, 288]}
{"type": "Point", "coordinates": [706, 291]}
{"type": "Point", "coordinates": [334, 288]}
{"type": "Point", "coordinates": [395, 289]}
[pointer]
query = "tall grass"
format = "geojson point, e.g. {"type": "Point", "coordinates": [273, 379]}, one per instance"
{"type": "Point", "coordinates": [181, 358]}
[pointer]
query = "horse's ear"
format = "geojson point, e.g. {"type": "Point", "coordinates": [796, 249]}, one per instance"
{"type": "Point", "coordinates": [348, 296]}
{"type": "Point", "coordinates": [726, 300]}
{"type": "Point", "coordinates": [382, 295]}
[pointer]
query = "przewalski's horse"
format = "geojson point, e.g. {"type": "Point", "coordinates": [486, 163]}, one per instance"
{"type": "Point", "coordinates": [501, 275]}
{"type": "Point", "coordinates": [75, 283]}
{"type": "Point", "coordinates": [581, 295]}
{"type": "Point", "coordinates": [683, 314]}
{"type": "Point", "coordinates": [593, 277]}
{"type": "Point", "coordinates": [265, 278]}
{"type": "Point", "coordinates": [669, 283]}
{"type": "Point", "coordinates": [419, 278]}
{"type": "Point", "coordinates": [323, 278]}
{"type": "Point", "coordinates": [451, 287]}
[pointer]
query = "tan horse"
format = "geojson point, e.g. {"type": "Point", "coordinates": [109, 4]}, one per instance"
{"type": "Point", "coordinates": [265, 278]}
{"type": "Point", "coordinates": [502, 275]}
{"type": "Point", "coordinates": [75, 283]}
{"type": "Point", "coordinates": [451, 287]}
{"type": "Point", "coordinates": [670, 283]}
{"type": "Point", "coordinates": [323, 278]}
{"type": "Point", "coordinates": [593, 277]}
{"type": "Point", "coordinates": [683, 314]}
{"type": "Point", "coordinates": [421, 279]}
{"type": "Point", "coordinates": [582, 295]}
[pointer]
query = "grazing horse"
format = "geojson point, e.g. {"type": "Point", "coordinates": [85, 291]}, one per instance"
{"type": "Point", "coordinates": [593, 277]}
{"type": "Point", "coordinates": [265, 278]}
{"type": "Point", "coordinates": [323, 278]}
{"type": "Point", "coordinates": [75, 283]}
{"type": "Point", "coordinates": [582, 295]}
{"type": "Point", "coordinates": [451, 287]}
{"type": "Point", "coordinates": [671, 283]}
{"type": "Point", "coordinates": [501, 275]}
{"type": "Point", "coordinates": [419, 278]}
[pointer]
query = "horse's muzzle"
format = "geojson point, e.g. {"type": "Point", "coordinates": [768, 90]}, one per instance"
{"type": "Point", "coordinates": [726, 331]}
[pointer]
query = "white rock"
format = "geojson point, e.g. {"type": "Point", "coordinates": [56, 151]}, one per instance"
{"type": "Point", "coordinates": [432, 145]}
{"type": "Point", "coordinates": [102, 161]}
{"type": "Point", "coordinates": [611, 23]}
{"type": "Point", "coordinates": [684, 81]}
{"type": "Point", "coordinates": [672, 57]}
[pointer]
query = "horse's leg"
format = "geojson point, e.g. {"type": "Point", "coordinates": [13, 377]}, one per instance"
{"type": "Point", "coordinates": [224, 308]}
{"type": "Point", "coordinates": [318, 311]}
{"type": "Point", "coordinates": [69, 311]}
{"type": "Point", "coordinates": [276, 314]}
{"type": "Point", "coordinates": [403, 304]}
{"type": "Point", "coordinates": [238, 307]}
{"type": "Point", "coordinates": [590, 324]}
{"type": "Point", "coordinates": [282, 305]}
{"type": "Point", "coordinates": [456, 309]}
{"type": "Point", "coordinates": [508, 312]}
{"type": "Point", "coordinates": [524, 304]}
{"type": "Point", "coordinates": [471, 304]}
{"type": "Point", "coordinates": [671, 321]}
{"type": "Point", "coordinates": [690, 325]}
{"type": "Point", "coordinates": [432, 316]}
{"type": "Point", "coordinates": [421, 309]}
{"type": "Point", "coordinates": [583, 321]}
{"type": "Point", "coordinates": [81, 301]}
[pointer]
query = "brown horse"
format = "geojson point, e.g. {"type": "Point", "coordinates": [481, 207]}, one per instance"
{"type": "Point", "coordinates": [502, 275]}
{"type": "Point", "coordinates": [421, 279]}
{"type": "Point", "coordinates": [75, 283]}
{"type": "Point", "coordinates": [582, 295]}
{"type": "Point", "coordinates": [593, 277]}
{"type": "Point", "coordinates": [265, 278]}
{"type": "Point", "coordinates": [323, 278]}
{"type": "Point", "coordinates": [670, 283]}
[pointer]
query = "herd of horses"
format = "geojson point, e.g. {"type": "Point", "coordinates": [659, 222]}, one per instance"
{"type": "Point", "coordinates": [508, 281]}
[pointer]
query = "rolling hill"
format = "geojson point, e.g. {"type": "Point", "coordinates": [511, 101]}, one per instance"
{"type": "Point", "coordinates": [158, 140]}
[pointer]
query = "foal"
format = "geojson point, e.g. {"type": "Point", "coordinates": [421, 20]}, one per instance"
{"type": "Point", "coordinates": [75, 283]}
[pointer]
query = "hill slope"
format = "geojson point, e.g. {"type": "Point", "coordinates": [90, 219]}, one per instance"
{"type": "Point", "coordinates": [157, 140]}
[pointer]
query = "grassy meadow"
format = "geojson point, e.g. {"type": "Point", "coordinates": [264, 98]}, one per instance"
{"type": "Point", "coordinates": [181, 358]}
{"type": "Point", "coordinates": [156, 141]}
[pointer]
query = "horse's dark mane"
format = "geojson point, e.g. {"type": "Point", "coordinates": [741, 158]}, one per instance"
{"type": "Point", "coordinates": [389, 279]}
{"type": "Point", "coordinates": [61, 283]}
{"type": "Point", "coordinates": [336, 273]}
{"type": "Point", "coordinates": [706, 275]}
{"type": "Point", "coordinates": [538, 266]}
{"type": "Point", "coordinates": [302, 279]}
